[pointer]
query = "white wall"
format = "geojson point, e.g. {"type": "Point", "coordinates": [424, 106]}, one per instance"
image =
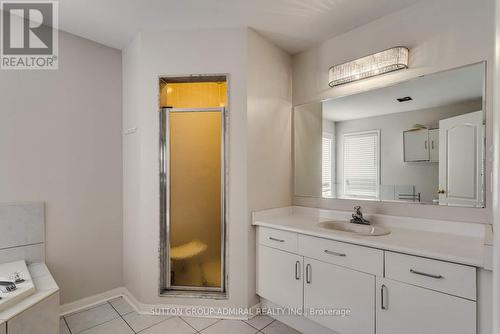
{"type": "Point", "coordinates": [441, 34]}
{"type": "Point", "coordinates": [307, 149]}
{"type": "Point", "coordinates": [269, 111]}
{"type": "Point", "coordinates": [132, 159]}
{"type": "Point", "coordinates": [259, 104]}
{"type": "Point", "coordinates": [151, 55]}
{"type": "Point", "coordinates": [60, 143]}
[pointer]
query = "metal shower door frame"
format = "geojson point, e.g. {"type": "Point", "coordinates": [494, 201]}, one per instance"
{"type": "Point", "coordinates": [166, 287]}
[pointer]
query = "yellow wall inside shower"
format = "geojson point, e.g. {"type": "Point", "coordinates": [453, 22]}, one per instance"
{"type": "Point", "coordinates": [195, 183]}
{"type": "Point", "coordinates": [194, 95]}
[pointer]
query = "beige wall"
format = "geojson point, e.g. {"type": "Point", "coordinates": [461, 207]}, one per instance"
{"type": "Point", "coordinates": [441, 34]}
{"type": "Point", "coordinates": [269, 110]}
{"type": "Point", "coordinates": [60, 143]}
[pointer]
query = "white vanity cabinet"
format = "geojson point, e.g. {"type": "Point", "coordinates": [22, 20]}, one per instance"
{"type": "Point", "coordinates": [330, 280]}
{"type": "Point", "coordinates": [420, 295]}
{"type": "Point", "coordinates": [279, 276]}
{"type": "Point", "coordinates": [377, 291]}
{"type": "Point", "coordinates": [421, 145]}
{"type": "Point", "coordinates": [3, 329]}
{"type": "Point", "coordinates": [339, 277]}
{"type": "Point", "coordinates": [404, 308]}
{"type": "Point", "coordinates": [332, 288]}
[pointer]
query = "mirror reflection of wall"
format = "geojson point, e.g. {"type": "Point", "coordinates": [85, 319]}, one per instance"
{"type": "Point", "coordinates": [308, 121]}
{"type": "Point", "coordinates": [426, 147]}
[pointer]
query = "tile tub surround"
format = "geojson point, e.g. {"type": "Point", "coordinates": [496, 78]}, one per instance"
{"type": "Point", "coordinates": [22, 224]}
{"type": "Point", "coordinates": [118, 317]}
{"type": "Point", "coordinates": [23, 232]}
{"type": "Point", "coordinates": [457, 242]}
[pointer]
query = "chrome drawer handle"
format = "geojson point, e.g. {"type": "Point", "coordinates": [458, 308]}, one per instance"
{"type": "Point", "coordinates": [334, 253]}
{"type": "Point", "coordinates": [383, 304]}
{"type": "Point", "coordinates": [308, 274]}
{"type": "Point", "coordinates": [425, 274]}
{"type": "Point", "coordinates": [275, 239]}
{"type": "Point", "coordinates": [297, 270]}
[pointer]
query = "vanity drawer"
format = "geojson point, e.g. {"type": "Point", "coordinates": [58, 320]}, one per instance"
{"type": "Point", "coordinates": [278, 239]}
{"type": "Point", "coordinates": [454, 279]}
{"type": "Point", "coordinates": [368, 260]}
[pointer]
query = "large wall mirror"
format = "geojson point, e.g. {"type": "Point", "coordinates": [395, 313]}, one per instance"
{"type": "Point", "coordinates": [419, 141]}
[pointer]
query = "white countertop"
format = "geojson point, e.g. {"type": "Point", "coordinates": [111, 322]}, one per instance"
{"type": "Point", "coordinates": [457, 248]}
{"type": "Point", "coordinates": [45, 287]}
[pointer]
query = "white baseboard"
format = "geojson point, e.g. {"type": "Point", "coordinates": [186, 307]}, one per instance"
{"type": "Point", "coordinates": [142, 308]}
{"type": "Point", "coordinates": [87, 302]}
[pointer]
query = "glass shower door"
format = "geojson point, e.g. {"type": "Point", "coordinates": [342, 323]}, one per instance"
{"type": "Point", "coordinates": [194, 199]}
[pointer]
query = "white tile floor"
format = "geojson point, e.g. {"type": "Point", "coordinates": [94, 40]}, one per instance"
{"type": "Point", "coordinates": [118, 317]}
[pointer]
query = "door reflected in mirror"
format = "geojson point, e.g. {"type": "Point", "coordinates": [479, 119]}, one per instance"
{"type": "Point", "coordinates": [419, 141]}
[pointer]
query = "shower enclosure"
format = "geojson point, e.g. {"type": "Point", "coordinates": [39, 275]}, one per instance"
{"type": "Point", "coordinates": [192, 185]}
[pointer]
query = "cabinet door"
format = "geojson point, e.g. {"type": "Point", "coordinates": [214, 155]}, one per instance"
{"type": "Point", "coordinates": [330, 287]}
{"type": "Point", "coordinates": [434, 145]}
{"type": "Point", "coordinates": [404, 308]}
{"type": "Point", "coordinates": [3, 329]}
{"type": "Point", "coordinates": [416, 146]}
{"type": "Point", "coordinates": [279, 277]}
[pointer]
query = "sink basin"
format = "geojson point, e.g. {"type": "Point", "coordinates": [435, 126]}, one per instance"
{"type": "Point", "coordinates": [355, 228]}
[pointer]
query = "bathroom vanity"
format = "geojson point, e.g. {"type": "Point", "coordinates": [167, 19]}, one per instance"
{"type": "Point", "coordinates": [420, 278]}
{"type": "Point", "coordinates": [398, 143]}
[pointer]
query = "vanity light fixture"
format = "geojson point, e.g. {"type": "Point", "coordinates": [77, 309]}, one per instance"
{"type": "Point", "coordinates": [386, 61]}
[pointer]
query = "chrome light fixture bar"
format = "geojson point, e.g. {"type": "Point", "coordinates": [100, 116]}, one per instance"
{"type": "Point", "coordinates": [386, 61]}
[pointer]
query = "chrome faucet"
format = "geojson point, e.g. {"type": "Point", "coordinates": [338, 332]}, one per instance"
{"type": "Point", "coordinates": [357, 217]}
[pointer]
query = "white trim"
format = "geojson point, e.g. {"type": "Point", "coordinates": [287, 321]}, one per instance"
{"type": "Point", "coordinates": [90, 301]}
{"type": "Point", "coordinates": [495, 174]}
{"type": "Point", "coordinates": [141, 308]}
